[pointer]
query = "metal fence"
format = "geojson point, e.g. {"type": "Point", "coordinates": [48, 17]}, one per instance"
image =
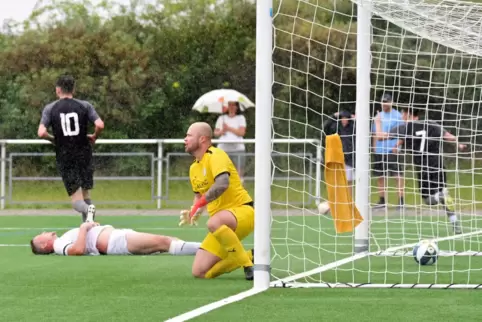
{"type": "Point", "coordinates": [158, 177]}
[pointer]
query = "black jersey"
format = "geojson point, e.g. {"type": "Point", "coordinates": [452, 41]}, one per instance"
{"type": "Point", "coordinates": [422, 139]}
{"type": "Point", "coordinates": [69, 119]}
{"type": "Point", "coordinates": [347, 135]}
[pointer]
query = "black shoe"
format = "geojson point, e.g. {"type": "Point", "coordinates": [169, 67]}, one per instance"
{"type": "Point", "coordinates": [249, 273]}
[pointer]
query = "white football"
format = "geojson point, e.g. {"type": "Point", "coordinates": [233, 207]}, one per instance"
{"type": "Point", "coordinates": [426, 252]}
{"type": "Point", "coordinates": [323, 208]}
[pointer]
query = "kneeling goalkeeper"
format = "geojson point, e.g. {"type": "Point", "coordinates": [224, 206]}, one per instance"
{"type": "Point", "coordinates": [216, 184]}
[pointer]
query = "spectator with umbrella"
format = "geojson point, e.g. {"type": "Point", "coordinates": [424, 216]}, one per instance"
{"type": "Point", "coordinates": [231, 124]}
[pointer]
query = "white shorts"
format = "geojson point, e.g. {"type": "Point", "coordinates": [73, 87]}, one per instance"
{"type": "Point", "coordinates": [350, 173]}
{"type": "Point", "coordinates": [118, 242]}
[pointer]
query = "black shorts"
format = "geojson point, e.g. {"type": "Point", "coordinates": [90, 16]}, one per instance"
{"type": "Point", "coordinates": [76, 172]}
{"type": "Point", "coordinates": [388, 164]}
{"type": "Point", "coordinates": [431, 181]}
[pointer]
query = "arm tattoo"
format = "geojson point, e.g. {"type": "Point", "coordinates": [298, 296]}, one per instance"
{"type": "Point", "coordinates": [221, 183]}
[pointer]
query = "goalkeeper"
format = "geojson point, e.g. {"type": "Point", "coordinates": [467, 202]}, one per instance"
{"type": "Point", "coordinates": [217, 186]}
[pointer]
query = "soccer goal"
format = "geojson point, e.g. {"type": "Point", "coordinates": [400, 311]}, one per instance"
{"type": "Point", "coordinates": [316, 58]}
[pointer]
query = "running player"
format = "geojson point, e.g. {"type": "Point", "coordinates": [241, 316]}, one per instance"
{"type": "Point", "coordinates": [92, 239]}
{"type": "Point", "coordinates": [69, 119]}
{"type": "Point", "coordinates": [422, 139]}
{"type": "Point", "coordinates": [216, 184]}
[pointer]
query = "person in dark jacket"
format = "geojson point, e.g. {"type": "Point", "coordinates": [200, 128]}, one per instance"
{"type": "Point", "coordinates": [343, 124]}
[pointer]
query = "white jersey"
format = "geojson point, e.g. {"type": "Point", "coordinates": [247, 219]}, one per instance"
{"type": "Point", "coordinates": [63, 243]}
{"type": "Point", "coordinates": [236, 122]}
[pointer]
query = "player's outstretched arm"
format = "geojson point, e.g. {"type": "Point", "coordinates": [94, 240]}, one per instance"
{"type": "Point", "coordinates": [452, 138]}
{"type": "Point", "coordinates": [78, 248]}
{"type": "Point", "coordinates": [398, 132]}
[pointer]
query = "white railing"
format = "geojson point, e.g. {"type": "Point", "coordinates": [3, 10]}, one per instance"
{"type": "Point", "coordinates": [160, 155]}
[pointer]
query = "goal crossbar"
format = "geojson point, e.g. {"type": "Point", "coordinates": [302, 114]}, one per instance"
{"type": "Point", "coordinates": [446, 22]}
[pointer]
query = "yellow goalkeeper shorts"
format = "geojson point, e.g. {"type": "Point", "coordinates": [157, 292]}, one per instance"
{"type": "Point", "coordinates": [245, 218]}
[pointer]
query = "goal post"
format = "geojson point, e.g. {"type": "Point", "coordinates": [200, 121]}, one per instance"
{"type": "Point", "coordinates": [263, 145]}
{"type": "Point", "coordinates": [316, 58]}
{"type": "Point", "coordinates": [362, 143]}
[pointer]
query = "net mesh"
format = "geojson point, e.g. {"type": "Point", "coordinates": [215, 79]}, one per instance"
{"type": "Point", "coordinates": [425, 54]}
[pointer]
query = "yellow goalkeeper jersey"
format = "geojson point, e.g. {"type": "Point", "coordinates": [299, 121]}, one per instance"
{"type": "Point", "coordinates": [203, 173]}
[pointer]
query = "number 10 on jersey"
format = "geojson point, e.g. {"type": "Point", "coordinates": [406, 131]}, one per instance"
{"type": "Point", "coordinates": [68, 120]}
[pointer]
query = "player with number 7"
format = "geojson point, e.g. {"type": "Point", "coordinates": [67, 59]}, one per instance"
{"type": "Point", "coordinates": [421, 139]}
{"type": "Point", "coordinates": [69, 119]}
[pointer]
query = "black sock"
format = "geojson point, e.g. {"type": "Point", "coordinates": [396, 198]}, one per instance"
{"type": "Point", "coordinates": [88, 201]}
{"type": "Point", "coordinates": [402, 202]}
{"type": "Point", "coordinates": [382, 200]}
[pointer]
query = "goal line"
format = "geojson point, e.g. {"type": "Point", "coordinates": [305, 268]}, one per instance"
{"type": "Point", "coordinates": [290, 282]}
{"type": "Point", "coordinates": [404, 250]}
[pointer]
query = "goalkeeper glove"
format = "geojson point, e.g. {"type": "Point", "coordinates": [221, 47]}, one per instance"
{"type": "Point", "coordinates": [193, 215]}
{"type": "Point", "coordinates": [184, 217]}
{"type": "Point", "coordinates": [187, 219]}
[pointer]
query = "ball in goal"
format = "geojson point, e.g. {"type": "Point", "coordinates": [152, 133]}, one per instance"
{"type": "Point", "coordinates": [319, 58]}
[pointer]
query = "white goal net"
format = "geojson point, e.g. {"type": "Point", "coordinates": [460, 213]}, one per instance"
{"type": "Point", "coordinates": [426, 55]}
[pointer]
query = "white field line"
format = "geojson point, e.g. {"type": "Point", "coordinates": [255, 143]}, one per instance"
{"type": "Point", "coordinates": [453, 237]}
{"type": "Point", "coordinates": [320, 269]}
{"type": "Point", "coordinates": [215, 305]}
{"type": "Point", "coordinates": [238, 297]}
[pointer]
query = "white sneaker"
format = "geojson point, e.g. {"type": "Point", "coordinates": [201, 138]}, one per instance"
{"type": "Point", "coordinates": [90, 214]}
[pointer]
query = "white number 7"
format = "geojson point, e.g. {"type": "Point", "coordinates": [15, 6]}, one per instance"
{"type": "Point", "coordinates": [423, 134]}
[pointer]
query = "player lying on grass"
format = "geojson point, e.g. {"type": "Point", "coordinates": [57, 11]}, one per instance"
{"type": "Point", "coordinates": [93, 239]}
{"type": "Point", "coordinates": [421, 139]}
{"type": "Point", "coordinates": [216, 184]}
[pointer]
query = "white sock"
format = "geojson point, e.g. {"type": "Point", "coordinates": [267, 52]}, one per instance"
{"type": "Point", "coordinates": [180, 247]}
{"type": "Point", "coordinates": [453, 218]}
